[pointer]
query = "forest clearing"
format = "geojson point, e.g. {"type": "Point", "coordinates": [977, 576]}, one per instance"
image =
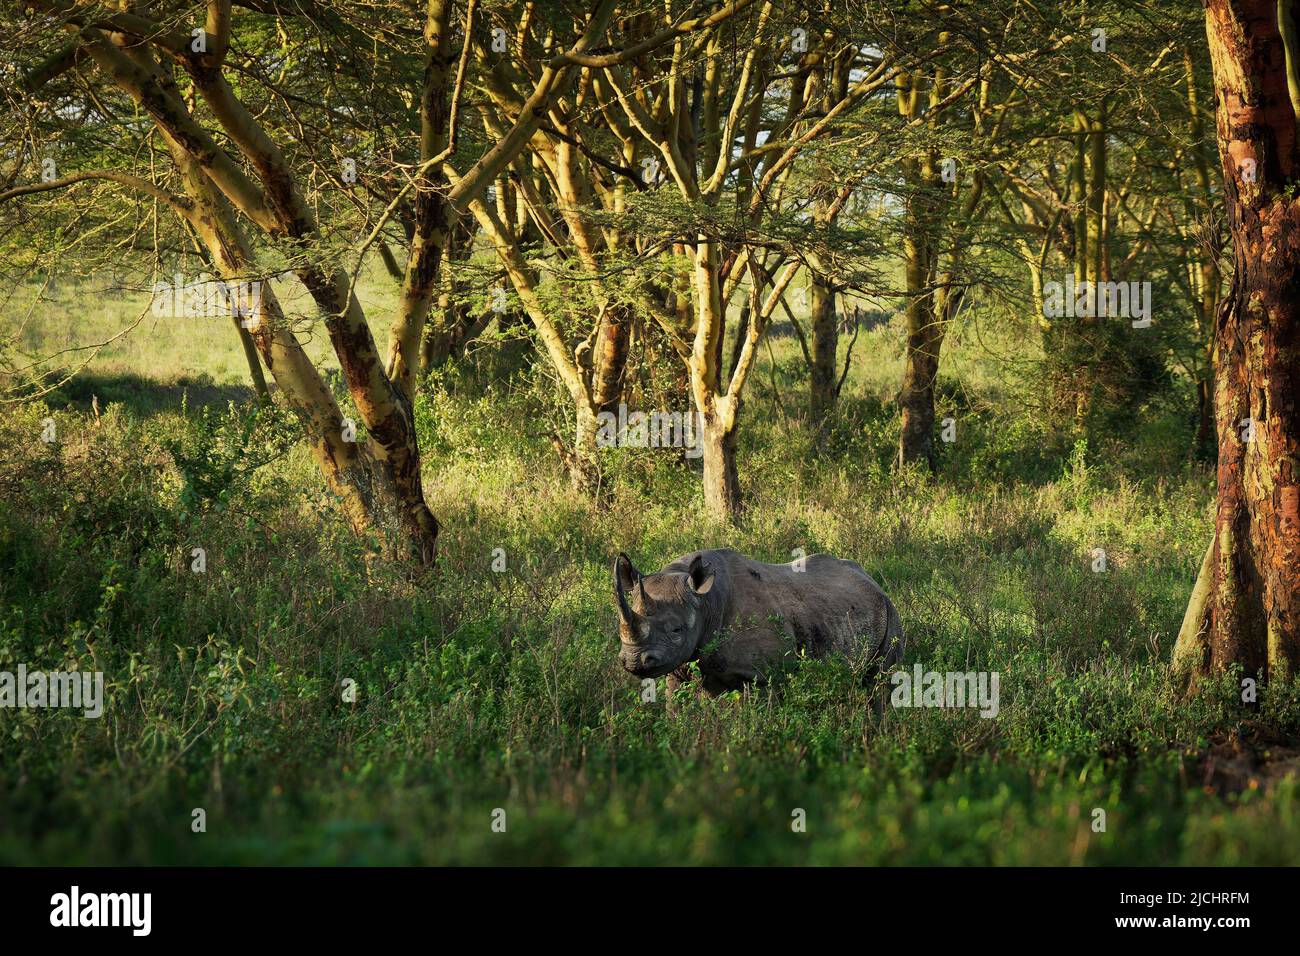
{"type": "Point", "coordinates": [345, 348]}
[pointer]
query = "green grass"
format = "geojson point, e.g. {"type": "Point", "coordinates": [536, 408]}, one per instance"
{"type": "Point", "coordinates": [480, 691]}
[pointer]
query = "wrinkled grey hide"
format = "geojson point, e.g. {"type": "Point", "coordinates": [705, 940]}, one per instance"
{"type": "Point", "coordinates": [741, 618]}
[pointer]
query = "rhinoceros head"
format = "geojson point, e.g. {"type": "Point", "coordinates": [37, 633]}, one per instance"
{"type": "Point", "coordinates": [661, 616]}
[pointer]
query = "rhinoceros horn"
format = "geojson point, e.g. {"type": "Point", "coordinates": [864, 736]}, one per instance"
{"type": "Point", "coordinates": [626, 576]}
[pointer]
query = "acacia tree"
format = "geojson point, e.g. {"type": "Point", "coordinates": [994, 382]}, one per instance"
{"type": "Point", "coordinates": [932, 293]}
{"type": "Point", "coordinates": [1106, 181]}
{"type": "Point", "coordinates": [570, 188]}
{"type": "Point", "coordinates": [241, 179]}
{"type": "Point", "coordinates": [1245, 607]}
{"type": "Point", "coordinates": [564, 190]}
{"type": "Point", "coordinates": [832, 181]}
{"type": "Point", "coordinates": [956, 109]}
{"type": "Point", "coordinates": [734, 126]}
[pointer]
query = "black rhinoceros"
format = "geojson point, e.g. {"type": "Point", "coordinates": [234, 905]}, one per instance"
{"type": "Point", "coordinates": [740, 618]}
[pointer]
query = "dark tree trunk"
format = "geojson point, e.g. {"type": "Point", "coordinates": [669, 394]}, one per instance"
{"type": "Point", "coordinates": [825, 343]}
{"type": "Point", "coordinates": [1205, 427]}
{"type": "Point", "coordinates": [454, 323]}
{"type": "Point", "coordinates": [1245, 608]}
{"type": "Point", "coordinates": [916, 401]}
{"type": "Point", "coordinates": [924, 331]}
{"type": "Point", "coordinates": [738, 343]}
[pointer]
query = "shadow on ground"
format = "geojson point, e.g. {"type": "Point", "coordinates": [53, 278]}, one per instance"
{"type": "Point", "coordinates": [144, 396]}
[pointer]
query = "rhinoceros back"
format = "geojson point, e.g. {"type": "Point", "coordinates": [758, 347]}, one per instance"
{"type": "Point", "coordinates": [827, 605]}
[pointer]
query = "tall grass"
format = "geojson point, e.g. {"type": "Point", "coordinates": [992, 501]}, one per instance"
{"type": "Point", "coordinates": [480, 690]}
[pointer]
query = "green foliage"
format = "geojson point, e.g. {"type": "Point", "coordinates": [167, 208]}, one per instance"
{"type": "Point", "coordinates": [492, 690]}
{"type": "Point", "coordinates": [219, 454]}
{"type": "Point", "coordinates": [481, 689]}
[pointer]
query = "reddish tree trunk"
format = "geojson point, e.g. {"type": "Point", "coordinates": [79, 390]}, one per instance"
{"type": "Point", "coordinates": [1245, 609]}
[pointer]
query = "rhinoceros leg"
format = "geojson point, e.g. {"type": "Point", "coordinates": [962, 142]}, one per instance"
{"type": "Point", "coordinates": [682, 682]}
{"type": "Point", "coordinates": [716, 686]}
{"type": "Point", "coordinates": [746, 654]}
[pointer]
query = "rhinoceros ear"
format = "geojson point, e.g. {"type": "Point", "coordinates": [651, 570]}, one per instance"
{"type": "Point", "coordinates": [700, 576]}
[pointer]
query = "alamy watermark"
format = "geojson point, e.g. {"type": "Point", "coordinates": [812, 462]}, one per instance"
{"type": "Point", "coordinates": [922, 688]}
{"type": "Point", "coordinates": [207, 297]}
{"type": "Point", "coordinates": [75, 908]}
{"type": "Point", "coordinates": [1089, 300]}
{"type": "Point", "coordinates": [656, 429]}
{"type": "Point", "coordinates": [35, 690]}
